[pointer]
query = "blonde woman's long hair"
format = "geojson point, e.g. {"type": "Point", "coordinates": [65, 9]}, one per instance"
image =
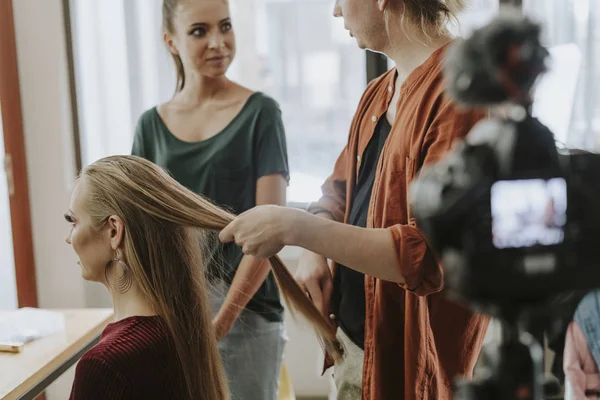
{"type": "Point", "coordinates": [167, 245]}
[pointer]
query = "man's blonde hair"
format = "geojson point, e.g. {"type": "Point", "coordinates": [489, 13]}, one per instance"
{"type": "Point", "coordinates": [432, 17]}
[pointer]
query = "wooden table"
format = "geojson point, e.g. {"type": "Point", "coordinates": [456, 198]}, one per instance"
{"type": "Point", "coordinates": [25, 375]}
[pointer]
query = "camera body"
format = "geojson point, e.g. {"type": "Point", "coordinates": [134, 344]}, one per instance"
{"type": "Point", "coordinates": [513, 223]}
{"type": "Point", "coordinates": [513, 219]}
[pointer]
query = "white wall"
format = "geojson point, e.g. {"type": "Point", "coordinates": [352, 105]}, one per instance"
{"type": "Point", "coordinates": [50, 162]}
{"type": "Point", "coordinates": [48, 134]}
{"type": "Point", "coordinates": [49, 149]}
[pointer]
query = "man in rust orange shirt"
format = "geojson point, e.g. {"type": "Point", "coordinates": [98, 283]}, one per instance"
{"type": "Point", "coordinates": [415, 340]}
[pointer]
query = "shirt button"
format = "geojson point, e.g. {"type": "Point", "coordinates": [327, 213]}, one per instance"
{"type": "Point", "coordinates": [374, 118]}
{"type": "Point", "coordinates": [332, 316]}
{"type": "Point", "coordinates": [390, 89]}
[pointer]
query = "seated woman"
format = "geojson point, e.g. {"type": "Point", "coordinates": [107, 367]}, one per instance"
{"type": "Point", "coordinates": [148, 240]}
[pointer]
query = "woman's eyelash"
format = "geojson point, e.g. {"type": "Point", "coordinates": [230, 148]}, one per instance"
{"type": "Point", "coordinates": [69, 218]}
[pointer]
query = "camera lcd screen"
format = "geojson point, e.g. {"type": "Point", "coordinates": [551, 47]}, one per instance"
{"type": "Point", "coordinates": [528, 212]}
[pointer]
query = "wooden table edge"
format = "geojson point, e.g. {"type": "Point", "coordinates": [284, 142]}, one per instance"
{"type": "Point", "coordinates": [61, 363]}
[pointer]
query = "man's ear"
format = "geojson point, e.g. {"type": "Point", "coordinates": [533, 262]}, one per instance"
{"type": "Point", "coordinates": [382, 4]}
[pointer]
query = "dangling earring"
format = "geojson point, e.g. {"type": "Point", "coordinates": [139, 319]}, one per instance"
{"type": "Point", "coordinates": [124, 282]}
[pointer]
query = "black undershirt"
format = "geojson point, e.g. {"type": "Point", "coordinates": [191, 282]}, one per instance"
{"type": "Point", "coordinates": [349, 283]}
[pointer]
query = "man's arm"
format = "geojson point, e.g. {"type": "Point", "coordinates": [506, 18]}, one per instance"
{"type": "Point", "coordinates": [315, 277]}
{"type": "Point", "coordinates": [370, 251]}
{"type": "Point", "coordinates": [264, 231]}
{"type": "Point", "coordinates": [313, 273]}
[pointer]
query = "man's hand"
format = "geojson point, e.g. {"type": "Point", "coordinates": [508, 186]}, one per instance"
{"type": "Point", "coordinates": [262, 231]}
{"type": "Point", "coordinates": [314, 277]}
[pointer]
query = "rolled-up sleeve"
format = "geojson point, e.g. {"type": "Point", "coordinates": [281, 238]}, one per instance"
{"type": "Point", "coordinates": [419, 264]}
{"type": "Point", "coordinates": [419, 267]}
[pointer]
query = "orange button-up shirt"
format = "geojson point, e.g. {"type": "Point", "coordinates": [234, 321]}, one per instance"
{"type": "Point", "coordinates": [416, 341]}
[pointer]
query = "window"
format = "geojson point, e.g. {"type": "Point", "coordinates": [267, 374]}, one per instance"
{"type": "Point", "coordinates": [316, 74]}
{"type": "Point", "coordinates": [567, 98]}
{"type": "Point", "coordinates": [121, 69]}
{"type": "Point", "coordinates": [293, 50]}
{"type": "Point", "coordinates": [477, 14]}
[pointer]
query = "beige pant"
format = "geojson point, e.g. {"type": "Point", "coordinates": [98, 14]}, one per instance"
{"type": "Point", "coordinates": [347, 373]}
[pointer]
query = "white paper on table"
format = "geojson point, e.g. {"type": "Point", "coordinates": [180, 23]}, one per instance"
{"type": "Point", "coordinates": [26, 324]}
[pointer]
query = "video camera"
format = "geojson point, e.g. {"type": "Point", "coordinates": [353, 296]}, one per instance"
{"type": "Point", "coordinates": [512, 218]}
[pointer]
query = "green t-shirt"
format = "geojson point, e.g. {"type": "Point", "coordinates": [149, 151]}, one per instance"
{"type": "Point", "coordinates": [225, 169]}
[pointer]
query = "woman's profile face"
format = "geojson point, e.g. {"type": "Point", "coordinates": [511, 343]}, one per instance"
{"type": "Point", "coordinates": [93, 245]}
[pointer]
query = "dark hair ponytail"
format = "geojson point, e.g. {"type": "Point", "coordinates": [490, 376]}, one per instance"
{"type": "Point", "coordinates": [168, 12]}
{"type": "Point", "coordinates": [180, 72]}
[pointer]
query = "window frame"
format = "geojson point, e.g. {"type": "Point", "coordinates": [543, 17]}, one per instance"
{"type": "Point", "coordinates": [11, 118]}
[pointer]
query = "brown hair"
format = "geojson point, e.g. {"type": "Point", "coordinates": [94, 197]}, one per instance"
{"type": "Point", "coordinates": [164, 222]}
{"type": "Point", "coordinates": [168, 13]}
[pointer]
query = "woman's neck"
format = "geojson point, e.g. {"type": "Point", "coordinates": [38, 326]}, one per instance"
{"type": "Point", "coordinates": [199, 89]}
{"type": "Point", "coordinates": [131, 303]}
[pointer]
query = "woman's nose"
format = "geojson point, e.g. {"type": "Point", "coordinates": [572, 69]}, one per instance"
{"type": "Point", "coordinates": [337, 9]}
{"type": "Point", "coordinates": [216, 41]}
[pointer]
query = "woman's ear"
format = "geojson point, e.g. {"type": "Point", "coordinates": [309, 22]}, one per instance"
{"type": "Point", "coordinates": [170, 42]}
{"type": "Point", "coordinates": [117, 231]}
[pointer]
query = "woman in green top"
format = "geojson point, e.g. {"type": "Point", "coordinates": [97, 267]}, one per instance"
{"type": "Point", "coordinates": [227, 143]}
